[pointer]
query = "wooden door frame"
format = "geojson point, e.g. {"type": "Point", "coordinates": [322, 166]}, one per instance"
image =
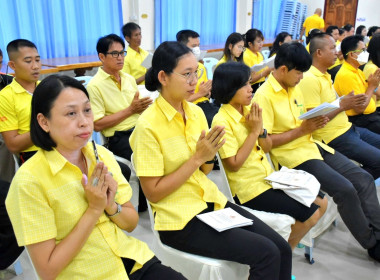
{"type": "Point", "coordinates": [325, 8]}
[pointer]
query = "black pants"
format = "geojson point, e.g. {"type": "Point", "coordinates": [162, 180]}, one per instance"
{"type": "Point", "coordinates": [353, 190]}
{"type": "Point", "coordinates": [24, 156]}
{"type": "Point", "coordinates": [210, 110]}
{"type": "Point", "coordinates": [265, 251]}
{"type": "Point", "coordinates": [369, 121]}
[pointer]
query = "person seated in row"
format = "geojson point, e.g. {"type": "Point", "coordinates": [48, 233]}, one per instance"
{"type": "Point", "coordinates": [172, 161]}
{"type": "Point", "coordinates": [70, 182]}
{"type": "Point", "coordinates": [254, 43]}
{"type": "Point", "coordinates": [361, 30]}
{"type": "Point", "coordinates": [202, 93]}
{"type": "Point", "coordinates": [233, 49]}
{"type": "Point", "coordinates": [311, 35]}
{"type": "Point", "coordinates": [372, 31]}
{"type": "Point", "coordinates": [354, 142]}
{"type": "Point", "coordinates": [350, 78]}
{"type": "Point", "coordinates": [135, 55]}
{"type": "Point", "coordinates": [333, 31]}
{"type": "Point", "coordinates": [243, 154]}
{"type": "Point", "coordinates": [16, 97]}
{"type": "Point", "coordinates": [352, 188]}
{"type": "Point", "coordinates": [283, 37]}
{"type": "Point", "coordinates": [373, 61]}
{"type": "Point", "coordinates": [342, 35]}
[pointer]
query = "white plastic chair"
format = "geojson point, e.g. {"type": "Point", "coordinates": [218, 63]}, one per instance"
{"type": "Point", "coordinates": [209, 63]}
{"type": "Point", "coordinates": [265, 54]}
{"type": "Point", "coordinates": [84, 79]}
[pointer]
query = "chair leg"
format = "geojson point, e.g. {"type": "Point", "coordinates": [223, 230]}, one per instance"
{"type": "Point", "coordinates": [309, 252]}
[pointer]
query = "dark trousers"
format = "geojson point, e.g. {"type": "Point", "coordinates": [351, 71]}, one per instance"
{"type": "Point", "coordinates": [210, 110]}
{"type": "Point", "coordinates": [361, 145]}
{"type": "Point", "coordinates": [369, 121]}
{"type": "Point", "coordinates": [353, 190]}
{"type": "Point", "coordinates": [265, 251]}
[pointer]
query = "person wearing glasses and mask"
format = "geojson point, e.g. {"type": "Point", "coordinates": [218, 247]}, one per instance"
{"type": "Point", "coordinates": [351, 78]}
{"type": "Point", "coordinates": [202, 92]}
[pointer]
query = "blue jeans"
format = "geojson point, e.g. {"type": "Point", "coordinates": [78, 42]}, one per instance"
{"type": "Point", "coordinates": [361, 145]}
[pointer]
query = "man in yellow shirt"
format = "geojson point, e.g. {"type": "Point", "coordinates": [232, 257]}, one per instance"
{"type": "Point", "coordinates": [313, 22]}
{"type": "Point", "coordinates": [135, 55]}
{"type": "Point", "coordinates": [351, 78]}
{"type": "Point", "coordinates": [352, 188]}
{"type": "Point", "coordinates": [15, 99]}
{"type": "Point", "coordinates": [202, 92]}
{"type": "Point", "coordinates": [356, 143]}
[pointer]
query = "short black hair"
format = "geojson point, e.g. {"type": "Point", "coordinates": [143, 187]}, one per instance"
{"type": "Point", "coordinates": [232, 39]}
{"type": "Point", "coordinates": [374, 49]}
{"type": "Point", "coordinates": [331, 28]}
{"type": "Point", "coordinates": [251, 35]}
{"type": "Point", "coordinates": [341, 31]}
{"type": "Point", "coordinates": [348, 27]}
{"type": "Point", "coordinates": [294, 56]}
{"type": "Point", "coordinates": [372, 30]}
{"type": "Point", "coordinates": [317, 42]}
{"type": "Point", "coordinates": [128, 28]}
{"type": "Point", "coordinates": [349, 44]}
{"type": "Point", "coordinates": [280, 38]}
{"type": "Point", "coordinates": [359, 29]}
{"type": "Point", "coordinates": [43, 100]}
{"type": "Point", "coordinates": [105, 42]}
{"type": "Point", "coordinates": [15, 45]}
{"type": "Point", "coordinates": [228, 78]}
{"type": "Point", "coordinates": [312, 34]}
{"type": "Point", "coordinates": [165, 58]}
{"type": "Point", "coordinates": [184, 35]}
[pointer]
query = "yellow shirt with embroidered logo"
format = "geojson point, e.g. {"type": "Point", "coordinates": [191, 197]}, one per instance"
{"type": "Point", "coordinates": [281, 110]}
{"type": "Point", "coordinates": [107, 98]}
{"type": "Point", "coordinates": [132, 63]}
{"type": "Point", "coordinates": [350, 79]}
{"type": "Point", "coordinates": [202, 79]}
{"type": "Point", "coordinates": [248, 182]}
{"type": "Point", "coordinates": [161, 143]}
{"type": "Point", "coordinates": [250, 58]}
{"type": "Point", "coordinates": [47, 202]}
{"type": "Point", "coordinates": [15, 110]}
{"type": "Point", "coordinates": [317, 88]}
{"type": "Point", "coordinates": [313, 22]}
{"type": "Point", "coordinates": [369, 69]}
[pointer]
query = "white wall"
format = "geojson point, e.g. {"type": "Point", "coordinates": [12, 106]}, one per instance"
{"type": "Point", "coordinates": [368, 13]}
{"type": "Point", "coordinates": [312, 5]}
{"type": "Point", "coordinates": [244, 12]}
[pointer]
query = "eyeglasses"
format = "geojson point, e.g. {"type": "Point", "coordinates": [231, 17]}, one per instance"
{"type": "Point", "coordinates": [116, 54]}
{"type": "Point", "coordinates": [241, 48]}
{"type": "Point", "coordinates": [357, 51]}
{"type": "Point", "coordinates": [191, 76]}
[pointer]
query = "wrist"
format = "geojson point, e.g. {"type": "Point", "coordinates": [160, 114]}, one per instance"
{"type": "Point", "coordinates": [112, 209]}
{"type": "Point", "coordinates": [197, 161]}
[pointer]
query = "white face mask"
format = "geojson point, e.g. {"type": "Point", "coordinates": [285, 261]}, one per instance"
{"type": "Point", "coordinates": [197, 52]}
{"type": "Point", "coordinates": [363, 58]}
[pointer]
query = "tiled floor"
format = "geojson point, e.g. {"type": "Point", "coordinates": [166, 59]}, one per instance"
{"type": "Point", "coordinates": [337, 255]}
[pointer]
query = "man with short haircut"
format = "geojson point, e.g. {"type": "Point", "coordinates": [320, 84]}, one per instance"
{"type": "Point", "coordinates": [135, 55]}
{"type": "Point", "coordinates": [350, 78]}
{"type": "Point", "coordinates": [114, 97]}
{"type": "Point", "coordinates": [351, 187]}
{"type": "Point", "coordinates": [354, 142]}
{"type": "Point", "coordinates": [333, 31]}
{"type": "Point", "coordinates": [202, 92]}
{"type": "Point", "coordinates": [314, 21]}
{"type": "Point", "coordinates": [16, 98]}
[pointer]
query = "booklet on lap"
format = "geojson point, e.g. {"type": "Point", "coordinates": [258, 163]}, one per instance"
{"type": "Point", "coordinates": [224, 219]}
{"type": "Point", "coordinates": [321, 110]}
{"type": "Point", "coordinates": [267, 63]}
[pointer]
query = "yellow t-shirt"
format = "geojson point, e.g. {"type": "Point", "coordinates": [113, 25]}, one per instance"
{"type": "Point", "coordinates": [161, 143]}
{"type": "Point", "coordinates": [203, 78]}
{"type": "Point", "coordinates": [350, 79]}
{"type": "Point", "coordinates": [107, 99]}
{"type": "Point", "coordinates": [317, 88]}
{"type": "Point", "coordinates": [281, 110]}
{"type": "Point", "coordinates": [369, 69]}
{"type": "Point", "coordinates": [250, 58]}
{"type": "Point", "coordinates": [312, 22]}
{"type": "Point", "coordinates": [248, 182]}
{"type": "Point", "coordinates": [132, 63]}
{"type": "Point", "coordinates": [47, 202]}
{"type": "Point", "coordinates": [15, 110]}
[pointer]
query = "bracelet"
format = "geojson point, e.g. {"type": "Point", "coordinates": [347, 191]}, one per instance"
{"type": "Point", "coordinates": [117, 211]}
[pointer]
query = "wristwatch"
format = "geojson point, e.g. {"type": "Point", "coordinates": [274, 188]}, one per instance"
{"type": "Point", "coordinates": [117, 211]}
{"type": "Point", "coordinates": [264, 135]}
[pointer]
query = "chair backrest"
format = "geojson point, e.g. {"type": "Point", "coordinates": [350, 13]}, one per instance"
{"type": "Point", "coordinates": [98, 137]}
{"type": "Point", "coordinates": [84, 79]}
{"type": "Point", "coordinates": [209, 63]}
{"type": "Point", "coordinates": [224, 186]}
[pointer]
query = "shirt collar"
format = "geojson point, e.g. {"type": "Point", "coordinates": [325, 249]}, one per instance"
{"type": "Point", "coordinates": [169, 110]}
{"type": "Point", "coordinates": [17, 88]}
{"type": "Point", "coordinates": [349, 67]}
{"type": "Point", "coordinates": [315, 71]}
{"type": "Point", "coordinates": [275, 84]}
{"type": "Point", "coordinates": [132, 51]}
{"type": "Point", "coordinates": [233, 113]}
{"type": "Point", "coordinates": [104, 75]}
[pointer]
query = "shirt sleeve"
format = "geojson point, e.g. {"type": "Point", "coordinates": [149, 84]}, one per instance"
{"type": "Point", "coordinates": [268, 114]}
{"type": "Point", "coordinates": [231, 146]}
{"type": "Point", "coordinates": [126, 67]}
{"type": "Point", "coordinates": [311, 91]}
{"type": "Point", "coordinates": [8, 117]}
{"type": "Point", "coordinates": [97, 102]}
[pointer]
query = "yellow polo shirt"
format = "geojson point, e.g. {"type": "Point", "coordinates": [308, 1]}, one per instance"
{"type": "Point", "coordinates": [369, 69]}
{"type": "Point", "coordinates": [317, 88]}
{"type": "Point", "coordinates": [248, 182]}
{"type": "Point", "coordinates": [161, 143]}
{"type": "Point", "coordinates": [222, 60]}
{"type": "Point", "coordinates": [47, 203]}
{"type": "Point", "coordinates": [281, 110]}
{"type": "Point", "coordinates": [132, 63]}
{"type": "Point", "coordinates": [107, 99]}
{"type": "Point", "coordinates": [350, 79]}
{"type": "Point", "coordinates": [15, 110]}
{"type": "Point", "coordinates": [250, 58]}
{"type": "Point", "coordinates": [203, 78]}
{"type": "Point", "coordinates": [312, 22]}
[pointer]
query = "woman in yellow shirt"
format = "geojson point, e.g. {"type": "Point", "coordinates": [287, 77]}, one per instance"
{"type": "Point", "coordinates": [374, 63]}
{"type": "Point", "coordinates": [171, 154]}
{"type": "Point", "coordinates": [254, 43]}
{"type": "Point", "coordinates": [283, 37]}
{"type": "Point", "coordinates": [233, 49]}
{"type": "Point", "coordinates": [243, 154]}
{"type": "Point", "coordinates": [69, 204]}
